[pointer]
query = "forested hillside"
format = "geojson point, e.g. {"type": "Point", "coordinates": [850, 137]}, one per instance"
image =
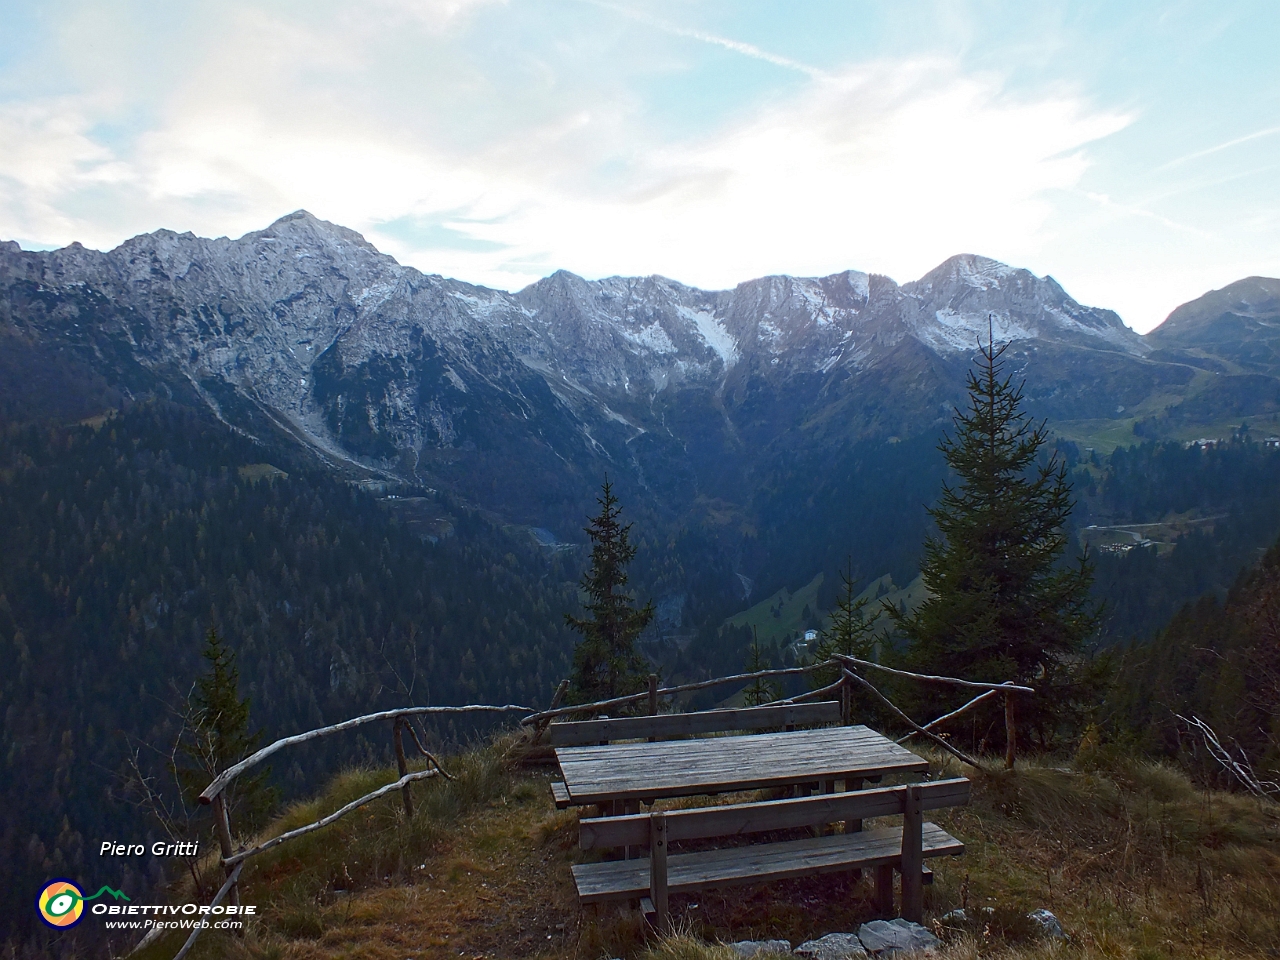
{"type": "Point", "coordinates": [1209, 512]}
{"type": "Point", "coordinates": [127, 537]}
{"type": "Point", "coordinates": [1218, 660]}
{"type": "Point", "coordinates": [125, 541]}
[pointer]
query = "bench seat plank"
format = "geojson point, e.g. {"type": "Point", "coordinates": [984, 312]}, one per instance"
{"type": "Point", "coordinates": [759, 863]}
{"type": "Point", "coordinates": [765, 815]}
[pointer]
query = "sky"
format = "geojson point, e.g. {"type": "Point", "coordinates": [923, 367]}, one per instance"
{"type": "Point", "coordinates": [1130, 150]}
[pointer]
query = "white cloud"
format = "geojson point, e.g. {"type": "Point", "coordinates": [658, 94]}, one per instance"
{"type": "Point", "coordinates": [891, 166]}
{"type": "Point", "coordinates": [49, 155]}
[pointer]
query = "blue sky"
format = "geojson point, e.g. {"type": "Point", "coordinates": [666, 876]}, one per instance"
{"type": "Point", "coordinates": [1130, 150]}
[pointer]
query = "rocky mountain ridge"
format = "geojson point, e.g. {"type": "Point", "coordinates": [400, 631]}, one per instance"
{"type": "Point", "coordinates": [520, 401]}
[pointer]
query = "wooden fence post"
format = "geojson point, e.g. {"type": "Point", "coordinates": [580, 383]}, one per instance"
{"type": "Point", "coordinates": [222, 823]}
{"type": "Point", "coordinates": [658, 869]}
{"type": "Point", "coordinates": [397, 735]}
{"type": "Point", "coordinates": [1010, 732]}
{"type": "Point", "coordinates": [541, 726]}
{"type": "Point", "coordinates": [912, 856]}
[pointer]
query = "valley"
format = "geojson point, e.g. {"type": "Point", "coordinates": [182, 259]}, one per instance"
{"type": "Point", "coordinates": [375, 480]}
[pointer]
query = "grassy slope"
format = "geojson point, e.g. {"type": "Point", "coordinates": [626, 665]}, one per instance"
{"type": "Point", "coordinates": [1135, 862]}
{"type": "Point", "coordinates": [791, 606]}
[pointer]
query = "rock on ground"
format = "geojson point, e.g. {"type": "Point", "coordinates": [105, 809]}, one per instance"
{"type": "Point", "coordinates": [761, 948]}
{"type": "Point", "coordinates": [1048, 924]}
{"type": "Point", "coordinates": [834, 946]}
{"type": "Point", "coordinates": [890, 938]}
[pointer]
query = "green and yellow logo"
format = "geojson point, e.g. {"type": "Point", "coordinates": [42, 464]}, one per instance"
{"type": "Point", "coordinates": [61, 904]}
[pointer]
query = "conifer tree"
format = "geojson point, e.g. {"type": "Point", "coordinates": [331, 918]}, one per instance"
{"type": "Point", "coordinates": [851, 631]}
{"type": "Point", "coordinates": [218, 735]}
{"type": "Point", "coordinates": [605, 662]}
{"type": "Point", "coordinates": [1002, 606]}
{"type": "Point", "coordinates": [761, 690]}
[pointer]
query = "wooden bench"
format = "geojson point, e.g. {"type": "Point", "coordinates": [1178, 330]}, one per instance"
{"type": "Point", "coordinates": [903, 848]}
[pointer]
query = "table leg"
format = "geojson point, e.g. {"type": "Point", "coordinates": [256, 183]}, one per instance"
{"type": "Point", "coordinates": [611, 808]}
{"type": "Point", "coordinates": [828, 786]}
{"type": "Point", "coordinates": [884, 891]}
{"type": "Point", "coordinates": [629, 807]}
{"type": "Point", "coordinates": [853, 826]}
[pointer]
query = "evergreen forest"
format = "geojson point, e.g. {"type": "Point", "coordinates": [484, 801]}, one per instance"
{"type": "Point", "coordinates": [129, 536]}
{"type": "Point", "coordinates": [126, 541]}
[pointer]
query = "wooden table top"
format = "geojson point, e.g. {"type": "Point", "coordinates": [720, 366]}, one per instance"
{"type": "Point", "coordinates": [676, 768]}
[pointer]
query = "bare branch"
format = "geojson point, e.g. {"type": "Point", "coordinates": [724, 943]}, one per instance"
{"type": "Point", "coordinates": [431, 758]}
{"type": "Point", "coordinates": [1240, 768]}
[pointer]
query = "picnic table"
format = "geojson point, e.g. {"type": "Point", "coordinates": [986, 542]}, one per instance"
{"type": "Point", "coordinates": [613, 772]}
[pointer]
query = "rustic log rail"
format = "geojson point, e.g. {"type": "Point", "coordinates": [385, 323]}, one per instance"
{"type": "Point", "coordinates": [227, 886]}
{"type": "Point", "coordinates": [853, 678]}
{"type": "Point", "coordinates": [226, 776]}
{"type": "Point", "coordinates": [930, 678]}
{"type": "Point", "coordinates": [952, 715]}
{"type": "Point", "coordinates": [1008, 688]}
{"type": "Point", "coordinates": [602, 705]}
{"type": "Point", "coordinates": [850, 680]}
{"type": "Point", "coordinates": [400, 784]}
{"type": "Point", "coordinates": [842, 689]}
{"type": "Point", "coordinates": [214, 794]}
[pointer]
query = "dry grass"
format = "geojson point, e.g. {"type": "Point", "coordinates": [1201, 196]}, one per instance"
{"type": "Point", "coordinates": [1135, 861]}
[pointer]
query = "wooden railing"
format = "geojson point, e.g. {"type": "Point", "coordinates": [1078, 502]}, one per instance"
{"type": "Point", "coordinates": [851, 680]}
{"type": "Point", "coordinates": [214, 793]}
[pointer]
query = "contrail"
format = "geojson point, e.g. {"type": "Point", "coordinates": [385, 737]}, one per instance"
{"type": "Point", "coordinates": [737, 46]}
{"type": "Point", "coordinates": [1105, 201]}
{"type": "Point", "coordinates": [1222, 146]}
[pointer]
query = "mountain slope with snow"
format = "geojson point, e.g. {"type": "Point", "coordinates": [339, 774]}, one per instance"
{"type": "Point", "coordinates": [520, 401]}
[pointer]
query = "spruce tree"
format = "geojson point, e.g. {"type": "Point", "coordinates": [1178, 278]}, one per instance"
{"type": "Point", "coordinates": [761, 690]}
{"type": "Point", "coordinates": [850, 632]}
{"type": "Point", "coordinates": [605, 662]}
{"type": "Point", "coordinates": [1002, 605]}
{"type": "Point", "coordinates": [218, 735]}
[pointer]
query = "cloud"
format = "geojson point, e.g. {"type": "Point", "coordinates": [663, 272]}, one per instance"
{"type": "Point", "coordinates": [498, 160]}
{"type": "Point", "coordinates": [890, 167]}
{"type": "Point", "coordinates": [50, 155]}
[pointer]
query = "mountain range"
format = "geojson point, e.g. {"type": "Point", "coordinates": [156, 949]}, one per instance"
{"type": "Point", "coordinates": [183, 421]}
{"type": "Point", "coordinates": [747, 411]}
